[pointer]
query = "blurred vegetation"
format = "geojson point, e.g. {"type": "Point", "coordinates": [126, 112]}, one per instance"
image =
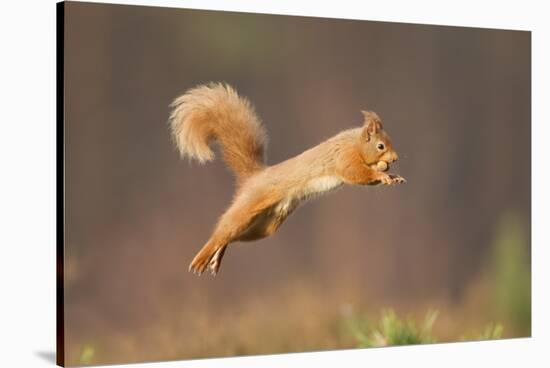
{"type": "Point", "coordinates": [87, 354]}
{"type": "Point", "coordinates": [491, 332]}
{"type": "Point", "coordinates": [496, 305]}
{"type": "Point", "coordinates": [392, 331]}
{"type": "Point", "coordinates": [395, 331]}
{"type": "Point", "coordinates": [511, 273]}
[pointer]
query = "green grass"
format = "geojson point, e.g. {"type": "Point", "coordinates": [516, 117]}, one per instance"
{"type": "Point", "coordinates": [492, 331]}
{"type": "Point", "coordinates": [511, 273]}
{"type": "Point", "coordinates": [87, 354]}
{"type": "Point", "coordinates": [392, 331]}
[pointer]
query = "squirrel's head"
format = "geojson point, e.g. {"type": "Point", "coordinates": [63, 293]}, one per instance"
{"type": "Point", "coordinates": [376, 145]}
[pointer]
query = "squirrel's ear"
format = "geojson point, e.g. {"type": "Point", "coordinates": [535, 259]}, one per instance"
{"type": "Point", "coordinates": [372, 123]}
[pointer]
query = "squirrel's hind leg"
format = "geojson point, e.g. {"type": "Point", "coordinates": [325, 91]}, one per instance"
{"type": "Point", "coordinates": [210, 256]}
{"type": "Point", "coordinates": [232, 224]}
{"type": "Point", "coordinates": [235, 224]}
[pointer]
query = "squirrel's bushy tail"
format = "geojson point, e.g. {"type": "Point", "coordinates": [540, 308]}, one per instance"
{"type": "Point", "coordinates": [215, 112]}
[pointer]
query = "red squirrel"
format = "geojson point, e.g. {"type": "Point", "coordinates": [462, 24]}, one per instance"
{"type": "Point", "coordinates": [267, 195]}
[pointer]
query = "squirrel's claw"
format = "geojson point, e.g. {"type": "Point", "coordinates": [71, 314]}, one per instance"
{"type": "Point", "coordinates": [394, 179]}
{"type": "Point", "coordinates": [399, 180]}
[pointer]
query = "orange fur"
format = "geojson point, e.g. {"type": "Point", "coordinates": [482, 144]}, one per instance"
{"type": "Point", "coordinates": [217, 112]}
{"type": "Point", "coordinates": [267, 195]}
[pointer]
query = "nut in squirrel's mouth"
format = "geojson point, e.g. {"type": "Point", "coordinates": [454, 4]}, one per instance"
{"type": "Point", "coordinates": [380, 166]}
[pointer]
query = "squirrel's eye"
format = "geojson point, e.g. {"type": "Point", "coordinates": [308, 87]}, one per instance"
{"type": "Point", "coordinates": [380, 146]}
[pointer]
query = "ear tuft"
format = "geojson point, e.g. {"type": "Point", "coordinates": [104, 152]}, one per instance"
{"type": "Point", "coordinates": [372, 122]}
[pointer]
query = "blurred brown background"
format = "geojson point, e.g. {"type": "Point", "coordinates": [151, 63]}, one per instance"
{"type": "Point", "coordinates": [456, 102]}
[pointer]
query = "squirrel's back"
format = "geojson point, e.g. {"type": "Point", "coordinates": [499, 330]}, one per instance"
{"type": "Point", "coordinates": [216, 112]}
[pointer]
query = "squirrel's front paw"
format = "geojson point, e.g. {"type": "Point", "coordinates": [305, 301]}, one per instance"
{"type": "Point", "coordinates": [386, 180]}
{"type": "Point", "coordinates": [396, 179]}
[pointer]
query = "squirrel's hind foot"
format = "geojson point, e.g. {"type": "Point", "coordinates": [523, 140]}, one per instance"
{"type": "Point", "coordinates": [210, 259]}
{"type": "Point", "coordinates": [216, 261]}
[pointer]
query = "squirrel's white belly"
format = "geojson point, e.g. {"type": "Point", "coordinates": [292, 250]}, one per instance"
{"type": "Point", "coordinates": [314, 187]}
{"type": "Point", "coordinates": [321, 185]}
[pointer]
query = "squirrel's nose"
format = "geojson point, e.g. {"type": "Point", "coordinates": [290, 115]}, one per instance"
{"type": "Point", "coordinates": [394, 157]}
